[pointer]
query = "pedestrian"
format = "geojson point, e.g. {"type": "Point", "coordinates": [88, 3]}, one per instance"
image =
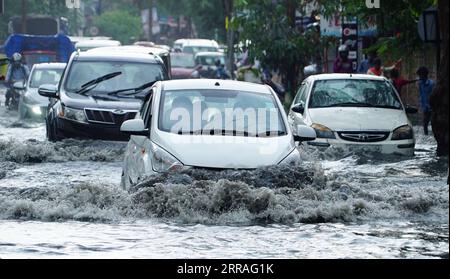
{"type": "Point", "coordinates": [379, 70]}
{"type": "Point", "coordinates": [367, 63]}
{"type": "Point", "coordinates": [426, 87]}
{"type": "Point", "coordinates": [399, 82]}
{"type": "Point", "coordinates": [342, 64]}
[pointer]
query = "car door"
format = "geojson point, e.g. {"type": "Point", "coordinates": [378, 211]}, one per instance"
{"type": "Point", "coordinates": [295, 118]}
{"type": "Point", "coordinates": [137, 160]}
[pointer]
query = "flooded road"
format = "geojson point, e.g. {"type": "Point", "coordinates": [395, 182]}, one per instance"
{"type": "Point", "coordinates": [63, 200]}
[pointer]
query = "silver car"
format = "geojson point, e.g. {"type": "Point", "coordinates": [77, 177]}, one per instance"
{"type": "Point", "coordinates": [31, 104]}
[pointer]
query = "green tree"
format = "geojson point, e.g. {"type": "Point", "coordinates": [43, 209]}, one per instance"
{"type": "Point", "coordinates": [120, 25]}
{"type": "Point", "coordinates": [274, 39]}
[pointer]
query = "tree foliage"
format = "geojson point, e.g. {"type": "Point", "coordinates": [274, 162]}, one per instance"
{"type": "Point", "coordinates": [119, 24]}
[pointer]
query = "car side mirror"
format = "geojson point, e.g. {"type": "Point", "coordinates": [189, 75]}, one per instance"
{"type": "Point", "coordinates": [304, 133]}
{"type": "Point", "coordinates": [411, 110]}
{"type": "Point", "coordinates": [20, 85]}
{"type": "Point", "coordinates": [299, 108]}
{"type": "Point", "coordinates": [48, 90]}
{"type": "Point", "coordinates": [135, 127]}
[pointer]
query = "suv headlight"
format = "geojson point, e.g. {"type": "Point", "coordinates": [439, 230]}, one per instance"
{"type": "Point", "coordinates": [73, 114]}
{"type": "Point", "coordinates": [403, 133]}
{"type": "Point", "coordinates": [162, 161]}
{"type": "Point", "coordinates": [323, 132]}
{"type": "Point", "coordinates": [292, 158]}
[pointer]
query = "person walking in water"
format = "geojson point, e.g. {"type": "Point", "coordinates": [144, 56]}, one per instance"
{"type": "Point", "coordinates": [426, 87]}
{"type": "Point", "coordinates": [399, 82]}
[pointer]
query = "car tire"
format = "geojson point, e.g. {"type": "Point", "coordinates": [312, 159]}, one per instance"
{"type": "Point", "coordinates": [52, 131]}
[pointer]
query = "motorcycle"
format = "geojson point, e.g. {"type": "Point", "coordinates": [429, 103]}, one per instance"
{"type": "Point", "coordinates": [14, 92]}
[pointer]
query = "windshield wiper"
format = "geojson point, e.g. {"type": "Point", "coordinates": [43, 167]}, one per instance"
{"type": "Point", "coordinates": [350, 104]}
{"type": "Point", "coordinates": [218, 132]}
{"type": "Point", "coordinates": [91, 84]}
{"type": "Point", "coordinates": [134, 90]}
{"type": "Point", "coordinates": [271, 134]}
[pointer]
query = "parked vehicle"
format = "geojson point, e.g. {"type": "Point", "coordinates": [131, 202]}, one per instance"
{"type": "Point", "coordinates": [354, 111]}
{"type": "Point", "coordinates": [208, 62]}
{"type": "Point", "coordinates": [98, 92]}
{"type": "Point", "coordinates": [31, 104]}
{"type": "Point", "coordinates": [209, 124]}
{"type": "Point", "coordinates": [184, 66]}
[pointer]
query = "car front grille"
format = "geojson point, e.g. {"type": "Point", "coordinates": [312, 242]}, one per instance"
{"type": "Point", "coordinates": [364, 136]}
{"type": "Point", "coordinates": [109, 117]}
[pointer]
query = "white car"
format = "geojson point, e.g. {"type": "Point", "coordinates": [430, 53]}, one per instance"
{"type": "Point", "coordinates": [213, 124]}
{"type": "Point", "coordinates": [31, 104]}
{"type": "Point", "coordinates": [195, 46]}
{"type": "Point", "coordinates": [354, 111]}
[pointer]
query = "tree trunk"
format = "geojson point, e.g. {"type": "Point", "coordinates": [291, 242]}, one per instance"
{"type": "Point", "coordinates": [228, 8]}
{"type": "Point", "coordinates": [24, 17]}
{"type": "Point", "coordinates": [440, 98]}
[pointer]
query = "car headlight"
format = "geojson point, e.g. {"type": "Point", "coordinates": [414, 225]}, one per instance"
{"type": "Point", "coordinates": [323, 132]}
{"type": "Point", "coordinates": [162, 161]}
{"type": "Point", "coordinates": [36, 110]}
{"type": "Point", "coordinates": [403, 133]}
{"type": "Point", "coordinates": [73, 114]}
{"type": "Point", "coordinates": [292, 159]}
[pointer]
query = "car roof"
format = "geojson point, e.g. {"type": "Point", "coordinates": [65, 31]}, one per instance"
{"type": "Point", "coordinates": [200, 42]}
{"type": "Point", "coordinates": [117, 56]}
{"type": "Point", "coordinates": [49, 66]}
{"type": "Point", "coordinates": [90, 43]}
{"type": "Point", "coordinates": [210, 54]}
{"type": "Point", "coordinates": [345, 76]}
{"type": "Point", "coordinates": [214, 84]}
{"type": "Point", "coordinates": [131, 49]}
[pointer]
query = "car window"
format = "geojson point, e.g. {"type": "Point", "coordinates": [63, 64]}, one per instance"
{"type": "Point", "coordinates": [301, 94]}
{"type": "Point", "coordinates": [47, 76]}
{"type": "Point", "coordinates": [354, 93]}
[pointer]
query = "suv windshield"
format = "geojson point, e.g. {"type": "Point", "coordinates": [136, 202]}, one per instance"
{"type": "Point", "coordinates": [353, 93]}
{"type": "Point", "coordinates": [197, 49]}
{"type": "Point", "coordinates": [220, 112]}
{"type": "Point", "coordinates": [132, 75]}
{"type": "Point", "coordinates": [47, 76]}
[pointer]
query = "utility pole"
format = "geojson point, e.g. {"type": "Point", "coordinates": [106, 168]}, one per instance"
{"type": "Point", "coordinates": [24, 16]}
{"type": "Point", "coordinates": [228, 8]}
{"type": "Point", "coordinates": [150, 21]}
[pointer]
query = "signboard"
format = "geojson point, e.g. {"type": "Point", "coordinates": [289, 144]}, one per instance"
{"type": "Point", "coordinates": [332, 27]}
{"type": "Point", "coordinates": [428, 26]}
{"type": "Point", "coordinates": [350, 38]}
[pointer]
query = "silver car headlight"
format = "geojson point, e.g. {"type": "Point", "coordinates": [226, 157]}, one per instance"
{"type": "Point", "coordinates": [163, 161]}
{"type": "Point", "coordinates": [36, 110]}
{"type": "Point", "coordinates": [73, 114]}
{"type": "Point", "coordinates": [292, 159]}
{"type": "Point", "coordinates": [403, 133]}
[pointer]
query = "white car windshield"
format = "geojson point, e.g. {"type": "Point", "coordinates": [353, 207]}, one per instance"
{"type": "Point", "coordinates": [45, 76]}
{"type": "Point", "coordinates": [220, 112]}
{"type": "Point", "coordinates": [132, 75]}
{"type": "Point", "coordinates": [354, 93]}
{"type": "Point", "coordinates": [210, 60]}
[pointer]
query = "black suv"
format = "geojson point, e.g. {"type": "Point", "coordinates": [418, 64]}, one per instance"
{"type": "Point", "coordinates": [98, 92]}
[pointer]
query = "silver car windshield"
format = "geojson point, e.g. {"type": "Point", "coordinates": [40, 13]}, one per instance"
{"type": "Point", "coordinates": [132, 75]}
{"type": "Point", "coordinates": [354, 93]}
{"type": "Point", "coordinates": [220, 112]}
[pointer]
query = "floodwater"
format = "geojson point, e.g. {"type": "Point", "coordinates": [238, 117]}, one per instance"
{"type": "Point", "coordinates": [63, 200]}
